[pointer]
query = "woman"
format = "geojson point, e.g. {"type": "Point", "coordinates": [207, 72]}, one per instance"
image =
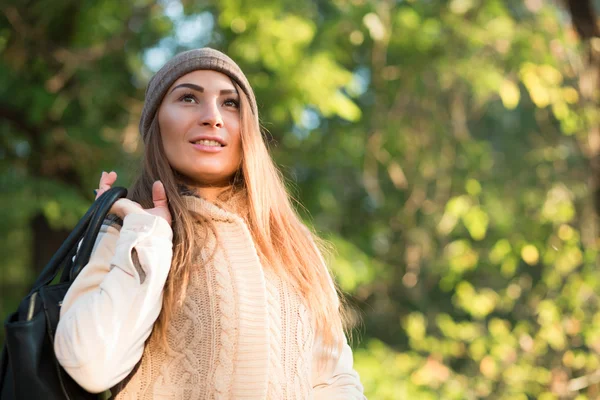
{"type": "Point", "coordinates": [208, 285]}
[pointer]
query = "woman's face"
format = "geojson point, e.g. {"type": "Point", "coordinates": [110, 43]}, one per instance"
{"type": "Point", "coordinates": [199, 120]}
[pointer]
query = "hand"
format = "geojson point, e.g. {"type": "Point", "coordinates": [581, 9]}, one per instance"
{"type": "Point", "coordinates": [123, 207]}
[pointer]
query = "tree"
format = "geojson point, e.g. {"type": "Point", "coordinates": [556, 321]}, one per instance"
{"type": "Point", "coordinates": [444, 147]}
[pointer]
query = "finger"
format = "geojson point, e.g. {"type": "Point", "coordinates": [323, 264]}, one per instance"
{"type": "Point", "coordinates": [111, 177]}
{"type": "Point", "coordinates": [123, 207]}
{"type": "Point", "coordinates": [159, 196]}
{"type": "Point", "coordinates": [99, 192]}
{"type": "Point", "coordinates": [106, 181]}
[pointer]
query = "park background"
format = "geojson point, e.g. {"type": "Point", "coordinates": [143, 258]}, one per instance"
{"type": "Point", "coordinates": [449, 150]}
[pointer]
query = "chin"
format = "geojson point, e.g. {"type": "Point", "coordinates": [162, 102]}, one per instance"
{"type": "Point", "coordinates": [210, 177]}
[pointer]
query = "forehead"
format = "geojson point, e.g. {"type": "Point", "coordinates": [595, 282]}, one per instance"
{"type": "Point", "coordinates": [208, 79]}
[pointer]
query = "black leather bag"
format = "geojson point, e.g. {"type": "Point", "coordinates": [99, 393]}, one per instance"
{"type": "Point", "coordinates": [28, 368]}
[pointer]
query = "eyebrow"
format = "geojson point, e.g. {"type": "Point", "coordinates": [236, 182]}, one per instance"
{"type": "Point", "coordinates": [201, 89]}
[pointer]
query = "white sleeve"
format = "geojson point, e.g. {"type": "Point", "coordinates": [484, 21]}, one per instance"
{"type": "Point", "coordinates": [334, 377]}
{"type": "Point", "coordinates": [333, 374]}
{"type": "Point", "coordinates": [108, 312]}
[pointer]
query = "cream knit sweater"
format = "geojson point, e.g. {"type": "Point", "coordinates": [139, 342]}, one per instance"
{"type": "Point", "coordinates": [242, 333]}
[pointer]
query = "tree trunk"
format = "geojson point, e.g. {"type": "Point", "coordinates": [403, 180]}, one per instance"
{"type": "Point", "coordinates": [46, 241]}
{"type": "Point", "coordinates": [584, 19]}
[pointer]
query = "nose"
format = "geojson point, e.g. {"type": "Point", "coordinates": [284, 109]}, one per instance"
{"type": "Point", "coordinates": [211, 115]}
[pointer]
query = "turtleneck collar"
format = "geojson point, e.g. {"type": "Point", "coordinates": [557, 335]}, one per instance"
{"type": "Point", "coordinates": [228, 207]}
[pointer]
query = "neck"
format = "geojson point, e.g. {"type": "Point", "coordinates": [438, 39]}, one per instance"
{"type": "Point", "coordinates": [210, 193]}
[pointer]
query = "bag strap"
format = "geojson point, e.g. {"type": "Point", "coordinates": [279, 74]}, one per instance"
{"type": "Point", "coordinates": [87, 245]}
{"type": "Point", "coordinates": [81, 230]}
{"type": "Point", "coordinates": [4, 368]}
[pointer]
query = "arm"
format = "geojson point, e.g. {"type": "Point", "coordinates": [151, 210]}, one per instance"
{"type": "Point", "coordinates": [334, 377]}
{"type": "Point", "coordinates": [109, 310]}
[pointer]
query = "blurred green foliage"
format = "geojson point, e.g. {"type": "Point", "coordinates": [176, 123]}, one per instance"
{"type": "Point", "coordinates": [444, 147]}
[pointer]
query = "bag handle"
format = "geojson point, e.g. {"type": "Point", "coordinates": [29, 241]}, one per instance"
{"type": "Point", "coordinates": [84, 253]}
{"type": "Point", "coordinates": [97, 212]}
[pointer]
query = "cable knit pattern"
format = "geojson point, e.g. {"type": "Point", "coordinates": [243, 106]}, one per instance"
{"type": "Point", "coordinates": [305, 338]}
{"type": "Point", "coordinates": [228, 315]}
{"type": "Point", "coordinates": [275, 390]}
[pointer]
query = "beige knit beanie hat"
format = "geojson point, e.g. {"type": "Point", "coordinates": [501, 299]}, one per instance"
{"type": "Point", "coordinates": [183, 63]}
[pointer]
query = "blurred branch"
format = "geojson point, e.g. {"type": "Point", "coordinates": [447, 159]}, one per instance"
{"type": "Point", "coordinates": [458, 112]}
{"type": "Point", "coordinates": [582, 382]}
{"type": "Point", "coordinates": [14, 18]}
{"type": "Point", "coordinates": [378, 60]}
{"type": "Point", "coordinates": [584, 18]}
{"type": "Point", "coordinates": [71, 59]}
{"type": "Point", "coordinates": [92, 53]}
{"type": "Point", "coordinates": [43, 47]}
{"type": "Point", "coordinates": [371, 167]}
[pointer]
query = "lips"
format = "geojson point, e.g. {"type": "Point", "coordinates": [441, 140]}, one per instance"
{"type": "Point", "coordinates": [209, 141]}
{"type": "Point", "coordinates": [208, 146]}
{"type": "Point", "coordinates": [206, 142]}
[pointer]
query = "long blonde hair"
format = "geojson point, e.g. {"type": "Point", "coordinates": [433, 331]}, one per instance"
{"type": "Point", "coordinates": [282, 240]}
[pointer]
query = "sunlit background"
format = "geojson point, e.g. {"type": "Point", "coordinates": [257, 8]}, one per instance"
{"type": "Point", "coordinates": [449, 150]}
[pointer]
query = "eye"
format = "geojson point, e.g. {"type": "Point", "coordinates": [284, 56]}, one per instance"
{"type": "Point", "coordinates": [232, 103]}
{"type": "Point", "coordinates": [188, 98]}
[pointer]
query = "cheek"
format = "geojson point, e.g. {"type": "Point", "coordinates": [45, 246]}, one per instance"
{"type": "Point", "coordinates": [167, 120]}
{"type": "Point", "coordinates": [167, 142]}
{"type": "Point", "coordinates": [169, 124]}
{"type": "Point", "coordinates": [237, 142]}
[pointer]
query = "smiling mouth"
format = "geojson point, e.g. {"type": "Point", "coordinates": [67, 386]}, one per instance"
{"type": "Point", "coordinates": [210, 143]}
